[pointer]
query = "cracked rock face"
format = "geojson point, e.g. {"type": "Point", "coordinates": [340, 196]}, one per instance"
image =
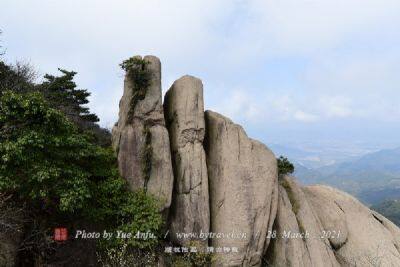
{"type": "Point", "coordinates": [298, 239]}
{"type": "Point", "coordinates": [243, 191]}
{"type": "Point", "coordinates": [291, 251]}
{"type": "Point", "coordinates": [129, 137]}
{"type": "Point", "coordinates": [368, 239]}
{"type": "Point", "coordinates": [184, 113]}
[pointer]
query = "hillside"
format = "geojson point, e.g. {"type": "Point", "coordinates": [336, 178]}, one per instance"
{"type": "Point", "coordinates": [390, 209]}
{"type": "Point", "coordinates": [373, 177]}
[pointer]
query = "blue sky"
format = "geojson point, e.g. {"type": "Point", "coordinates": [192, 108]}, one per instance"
{"type": "Point", "coordinates": [290, 71]}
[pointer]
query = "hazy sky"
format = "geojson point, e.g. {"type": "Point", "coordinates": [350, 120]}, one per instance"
{"type": "Point", "coordinates": [321, 71]}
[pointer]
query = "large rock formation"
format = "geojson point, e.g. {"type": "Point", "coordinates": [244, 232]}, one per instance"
{"type": "Point", "coordinates": [184, 113]}
{"type": "Point", "coordinates": [338, 230]}
{"type": "Point", "coordinates": [140, 137]}
{"type": "Point", "coordinates": [286, 252]}
{"type": "Point", "coordinates": [243, 191]}
{"type": "Point", "coordinates": [366, 237]}
{"type": "Point", "coordinates": [230, 187]}
{"type": "Point", "coordinates": [297, 235]}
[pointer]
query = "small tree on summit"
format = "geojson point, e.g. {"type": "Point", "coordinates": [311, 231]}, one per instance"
{"type": "Point", "coordinates": [284, 166]}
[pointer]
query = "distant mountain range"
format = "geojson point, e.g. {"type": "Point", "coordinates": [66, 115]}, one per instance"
{"type": "Point", "coordinates": [372, 178]}
{"type": "Point", "coordinates": [318, 155]}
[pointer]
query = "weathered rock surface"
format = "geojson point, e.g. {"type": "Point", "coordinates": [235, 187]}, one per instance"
{"type": "Point", "coordinates": [184, 113]}
{"type": "Point", "coordinates": [291, 251]}
{"type": "Point", "coordinates": [298, 239]}
{"type": "Point", "coordinates": [368, 238]}
{"type": "Point", "coordinates": [243, 191]}
{"type": "Point", "coordinates": [146, 125]}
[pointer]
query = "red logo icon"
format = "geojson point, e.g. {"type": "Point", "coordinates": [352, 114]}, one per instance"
{"type": "Point", "coordinates": [60, 234]}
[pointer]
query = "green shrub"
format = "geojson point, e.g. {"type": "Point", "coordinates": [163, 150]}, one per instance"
{"type": "Point", "coordinates": [132, 212]}
{"type": "Point", "coordinates": [60, 175]}
{"type": "Point", "coordinates": [126, 256]}
{"type": "Point", "coordinates": [44, 160]}
{"type": "Point", "coordinates": [140, 76]}
{"type": "Point", "coordinates": [284, 166]}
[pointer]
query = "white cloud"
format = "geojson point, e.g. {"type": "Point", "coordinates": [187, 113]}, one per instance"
{"type": "Point", "coordinates": [349, 49]}
{"type": "Point", "coordinates": [305, 117]}
{"type": "Point", "coordinates": [335, 106]}
{"type": "Point", "coordinates": [242, 106]}
{"type": "Point", "coordinates": [307, 25]}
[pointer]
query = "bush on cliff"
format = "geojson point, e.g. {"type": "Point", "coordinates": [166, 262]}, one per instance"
{"type": "Point", "coordinates": [140, 76]}
{"type": "Point", "coordinates": [284, 166]}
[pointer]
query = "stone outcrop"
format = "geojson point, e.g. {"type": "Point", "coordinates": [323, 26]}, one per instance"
{"type": "Point", "coordinates": [143, 131]}
{"type": "Point", "coordinates": [298, 231]}
{"type": "Point", "coordinates": [339, 230]}
{"type": "Point", "coordinates": [243, 191]}
{"type": "Point", "coordinates": [224, 184]}
{"type": "Point", "coordinates": [367, 238]}
{"type": "Point", "coordinates": [286, 252]}
{"type": "Point", "coordinates": [184, 113]}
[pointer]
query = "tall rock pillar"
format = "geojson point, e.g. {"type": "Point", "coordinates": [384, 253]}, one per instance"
{"type": "Point", "coordinates": [243, 191]}
{"type": "Point", "coordinates": [140, 137]}
{"type": "Point", "coordinates": [184, 113]}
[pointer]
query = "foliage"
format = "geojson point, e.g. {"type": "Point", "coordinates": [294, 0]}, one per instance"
{"type": "Point", "coordinates": [390, 209]}
{"type": "Point", "coordinates": [124, 256]}
{"type": "Point", "coordinates": [1, 52]}
{"type": "Point", "coordinates": [199, 259]}
{"type": "Point", "coordinates": [284, 166]}
{"type": "Point", "coordinates": [130, 212]}
{"type": "Point", "coordinates": [140, 75]}
{"type": "Point", "coordinates": [44, 158]}
{"type": "Point", "coordinates": [115, 257]}
{"type": "Point", "coordinates": [62, 94]}
{"type": "Point", "coordinates": [18, 77]}
{"type": "Point", "coordinates": [59, 174]}
{"type": "Point", "coordinates": [11, 219]}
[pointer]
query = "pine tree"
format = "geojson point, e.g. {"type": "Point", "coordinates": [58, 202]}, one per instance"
{"type": "Point", "coordinates": [63, 95]}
